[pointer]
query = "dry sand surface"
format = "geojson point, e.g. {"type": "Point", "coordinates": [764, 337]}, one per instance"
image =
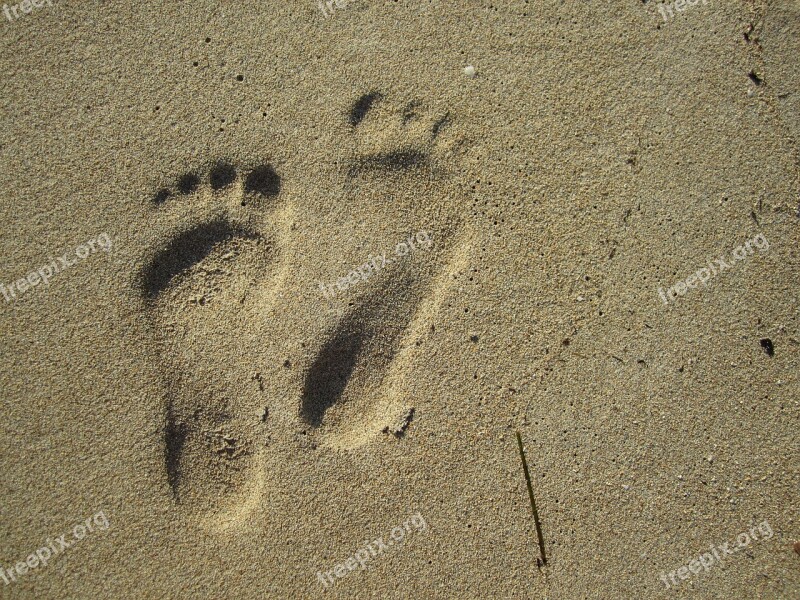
{"type": "Point", "coordinates": [282, 280]}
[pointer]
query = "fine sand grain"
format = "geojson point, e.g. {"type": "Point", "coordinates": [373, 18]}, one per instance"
{"type": "Point", "coordinates": [282, 280]}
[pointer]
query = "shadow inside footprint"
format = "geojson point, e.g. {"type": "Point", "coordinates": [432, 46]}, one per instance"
{"type": "Point", "coordinates": [399, 160]}
{"type": "Point", "coordinates": [411, 154]}
{"type": "Point", "coordinates": [340, 385]}
{"type": "Point", "coordinates": [175, 437]}
{"type": "Point", "coordinates": [330, 374]}
{"type": "Point", "coordinates": [188, 183]}
{"type": "Point", "coordinates": [186, 250]}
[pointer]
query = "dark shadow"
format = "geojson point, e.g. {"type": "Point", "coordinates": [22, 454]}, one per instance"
{"type": "Point", "coordinates": [222, 175]}
{"type": "Point", "coordinates": [329, 375]}
{"type": "Point", "coordinates": [184, 251]}
{"type": "Point", "coordinates": [439, 125]}
{"type": "Point", "coordinates": [188, 183]}
{"type": "Point", "coordinates": [174, 438]}
{"type": "Point", "coordinates": [362, 106]}
{"type": "Point", "coordinates": [400, 160]}
{"type": "Point", "coordinates": [263, 180]}
{"type": "Point", "coordinates": [161, 196]}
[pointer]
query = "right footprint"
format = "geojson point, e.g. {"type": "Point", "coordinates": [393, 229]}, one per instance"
{"type": "Point", "coordinates": [357, 385]}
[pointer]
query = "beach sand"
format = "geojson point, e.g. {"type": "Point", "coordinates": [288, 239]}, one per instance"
{"type": "Point", "coordinates": [315, 275]}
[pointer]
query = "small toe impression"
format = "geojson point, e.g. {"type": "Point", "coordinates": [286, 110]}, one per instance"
{"type": "Point", "coordinates": [161, 196]}
{"type": "Point", "coordinates": [362, 106]}
{"type": "Point", "coordinates": [263, 180]}
{"type": "Point", "coordinates": [222, 175]}
{"type": "Point", "coordinates": [188, 183]}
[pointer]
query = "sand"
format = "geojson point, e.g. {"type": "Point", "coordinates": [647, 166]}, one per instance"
{"type": "Point", "coordinates": [315, 275]}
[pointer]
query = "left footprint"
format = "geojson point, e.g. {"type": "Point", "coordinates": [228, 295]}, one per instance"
{"type": "Point", "coordinates": [198, 289]}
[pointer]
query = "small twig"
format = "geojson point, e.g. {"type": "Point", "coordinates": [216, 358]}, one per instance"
{"type": "Point", "coordinates": [533, 502]}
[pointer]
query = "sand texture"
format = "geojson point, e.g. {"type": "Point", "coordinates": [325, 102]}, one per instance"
{"type": "Point", "coordinates": [282, 280]}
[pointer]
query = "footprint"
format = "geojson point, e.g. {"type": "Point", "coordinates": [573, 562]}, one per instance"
{"type": "Point", "coordinates": [353, 389]}
{"type": "Point", "coordinates": [226, 261]}
{"type": "Point", "coordinates": [199, 289]}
